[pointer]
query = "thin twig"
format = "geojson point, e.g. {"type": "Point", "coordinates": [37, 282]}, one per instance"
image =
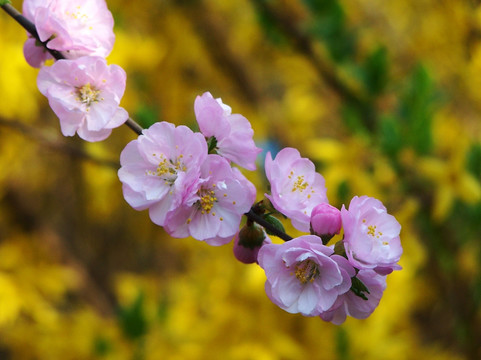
{"type": "Point", "coordinates": [134, 126]}
{"type": "Point", "coordinates": [55, 144]}
{"type": "Point", "coordinates": [30, 27]}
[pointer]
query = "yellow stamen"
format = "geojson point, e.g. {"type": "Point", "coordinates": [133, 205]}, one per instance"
{"type": "Point", "coordinates": [300, 184]}
{"type": "Point", "coordinates": [88, 94]}
{"type": "Point", "coordinates": [307, 271]}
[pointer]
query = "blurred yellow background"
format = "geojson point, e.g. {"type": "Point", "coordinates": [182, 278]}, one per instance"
{"type": "Point", "coordinates": [385, 98]}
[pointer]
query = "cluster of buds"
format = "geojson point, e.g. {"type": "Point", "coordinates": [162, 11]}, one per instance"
{"type": "Point", "coordinates": [190, 187]}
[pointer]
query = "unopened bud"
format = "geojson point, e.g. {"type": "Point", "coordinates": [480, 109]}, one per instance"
{"type": "Point", "coordinates": [247, 243]}
{"type": "Point", "coordinates": [325, 221]}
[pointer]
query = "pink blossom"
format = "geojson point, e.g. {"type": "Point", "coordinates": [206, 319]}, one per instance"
{"type": "Point", "coordinates": [325, 220]}
{"type": "Point", "coordinates": [296, 188]}
{"type": "Point", "coordinates": [371, 235]}
{"type": "Point", "coordinates": [161, 169]}
{"type": "Point", "coordinates": [355, 306]}
{"type": "Point", "coordinates": [301, 275]}
{"type": "Point", "coordinates": [85, 94]}
{"type": "Point", "coordinates": [76, 28]}
{"type": "Point", "coordinates": [233, 132]}
{"type": "Point", "coordinates": [213, 213]}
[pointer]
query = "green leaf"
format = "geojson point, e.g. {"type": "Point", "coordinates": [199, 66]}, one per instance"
{"type": "Point", "coordinates": [473, 160]}
{"type": "Point", "coordinates": [375, 71]}
{"type": "Point", "coordinates": [102, 346]}
{"type": "Point", "coordinates": [343, 192]}
{"type": "Point", "coordinates": [163, 309]}
{"type": "Point", "coordinates": [132, 319]}
{"type": "Point", "coordinates": [416, 111]}
{"type": "Point", "coordinates": [329, 25]}
{"type": "Point", "coordinates": [5, 2]}
{"type": "Point", "coordinates": [390, 137]}
{"type": "Point", "coordinates": [275, 222]}
{"type": "Point", "coordinates": [342, 344]}
{"type": "Point", "coordinates": [352, 117]}
{"type": "Point", "coordinates": [268, 23]}
{"type": "Point", "coordinates": [359, 288]}
{"type": "Point", "coordinates": [147, 115]}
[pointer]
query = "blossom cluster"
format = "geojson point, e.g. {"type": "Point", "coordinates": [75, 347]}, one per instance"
{"type": "Point", "coordinates": [187, 182]}
{"type": "Point", "coordinates": [82, 89]}
{"type": "Point", "coordinates": [189, 187]}
{"type": "Point", "coordinates": [306, 276]}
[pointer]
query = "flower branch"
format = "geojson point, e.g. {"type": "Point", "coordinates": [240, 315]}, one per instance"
{"type": "Point", "coordinates": [30, 27]}
{"type": "Point", "coordinates": [186, 180]}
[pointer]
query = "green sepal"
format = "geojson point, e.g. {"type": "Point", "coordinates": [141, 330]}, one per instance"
{"type": "Point", "coordinates": [212, 144]}
{"type": "Point", "coordinates": [5, 2]}
{"type": "Point", "coordinates": [358, 288]}
{"type": "Point", "coordinates": [251, 236]}
{"type": "Point", "coordinates": [339, 248]}
{"type": "Point", "coordinates": [275, 222]}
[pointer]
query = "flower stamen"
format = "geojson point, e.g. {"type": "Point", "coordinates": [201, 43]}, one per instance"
{"type": "Point", "coordinates": [207, 201]}
{"type": "Point", "coordinates": [300, 184]}
{"type": "Point", "coordinates": [87, 94]}
{"type": "Point", "coordinates": [307, 271]}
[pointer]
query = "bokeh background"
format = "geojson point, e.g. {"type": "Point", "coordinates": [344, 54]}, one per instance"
{"type": "Point", "coordinates": [385, 98]}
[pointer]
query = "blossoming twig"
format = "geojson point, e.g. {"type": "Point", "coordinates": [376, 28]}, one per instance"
{"type": "Point", "coordinates": [132, 124]}
{"type": "Point", "coordinates": [186, 179]}
{"type": "Point", "coordinates": [30, 27]}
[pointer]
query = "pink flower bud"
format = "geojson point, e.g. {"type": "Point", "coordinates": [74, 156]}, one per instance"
{"type": "Point", "coordinates": [247, 243]}
{"type": "Point", "coordinates": [325, 221]}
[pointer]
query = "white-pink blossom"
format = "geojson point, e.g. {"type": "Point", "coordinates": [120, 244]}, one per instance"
{"type": "Point", "coordinates": [296, 187]}
{"type": "Point", "coordinates": [353, 305]}
{"type": "Point", "coordinates": [371, 235]}
{"type": "Point", "coordinates": [233, 132]}
{"type": "Point", "coordinates": [85, 94]}
{"type": "Point", "coordinates": [161, 169]}
{"type": "Point", "coordinates": [76, 28]}
{"type": "Point", "coordinates": [302, 277]}
{"type": "Point", "coordinates": [213, 213]}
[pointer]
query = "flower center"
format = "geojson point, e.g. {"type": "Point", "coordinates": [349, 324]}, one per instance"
{"type": "Point", "coordinates": [88, 94]}
{"type": "Point", "coordinates": [307, 271]}
{"type": "Point", "coordinates": [299, 184]}
{"type": "Point", "coordinates": [372, 231]}
{"type": "Point", "coordinates": [77, 14]}
{"type": "Point", "coordinates": [207, 201]}
{"type": "Point", "coordinates": [168, 169]}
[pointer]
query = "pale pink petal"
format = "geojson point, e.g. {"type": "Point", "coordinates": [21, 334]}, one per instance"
{"type": "Point", "coordinates": [70, 86]}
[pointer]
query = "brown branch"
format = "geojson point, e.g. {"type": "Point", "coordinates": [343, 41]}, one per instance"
{"type": "Point", "coordinates": [55, 143]}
